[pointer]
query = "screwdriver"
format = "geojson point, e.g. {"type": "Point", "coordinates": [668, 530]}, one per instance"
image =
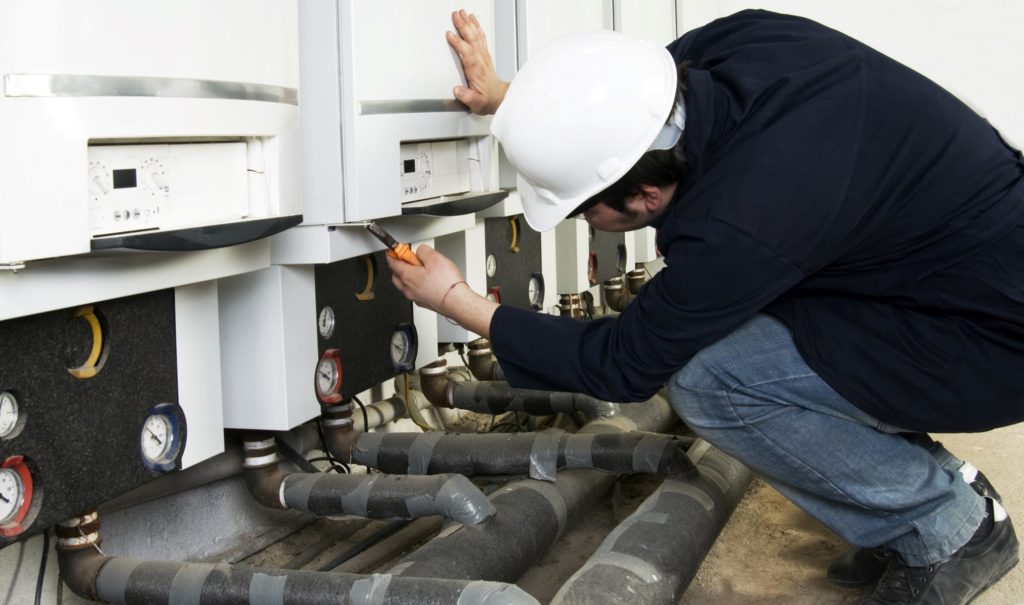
{"type": "Point", "coordinates": [395, 249]}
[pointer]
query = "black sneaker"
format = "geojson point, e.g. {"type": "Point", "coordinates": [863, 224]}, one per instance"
{"type": "Point", "coordinates": [957, 580]}
{"type": "Point", "coordinates": [859, 567]}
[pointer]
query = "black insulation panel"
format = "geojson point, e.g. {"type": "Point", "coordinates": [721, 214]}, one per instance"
{"type": "Point", "coordinates": [514, 265]}
{"type": "Point", "coordinates": [363, 328]}
{"type": "Point", "coordinates": [81, 436]}
{"type": "Point", "coordinates": [611, 254]}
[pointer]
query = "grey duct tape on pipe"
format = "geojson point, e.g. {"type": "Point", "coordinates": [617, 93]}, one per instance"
{"type": "Point", "coordinates": [113, 579]}
{"type": "Point", "coordinates": [619, 423]}
{"type": "Point", "coordinates": [366, 449]}
{"type": "Point", "coordinates": [461, 501]}
{"type": "Point", "coordinates": [264, 589]}
{"type": "Point", "coordinates": [697, 450]}
{"type": "Point", "coordinates": [370, 591]}
{"type": "Point", "coordinates": [647, 454]}
{"type": "Point", "coordinates": [297, 488]}
{"type": "Point", "coordinates": [551, 494]}
{"type": "Point", "coordinates": [688, 489]}
{"type": "Point", "coordinates": [578, 451]}
{"type": "Point", "coordinates": [187, 585]}
{"type": "Point", "coordinates": [355, 502]}
{"type": "Point", "coordinates": [716, 478]}
{"type": "Point", "coordinates": [398, 569]}
{"type": "Point", "coordinates": [420, 451]}
{"type": "Point", "coordinates": [544, 455]}
{"type": "Point", "coordinates": [491, 593]}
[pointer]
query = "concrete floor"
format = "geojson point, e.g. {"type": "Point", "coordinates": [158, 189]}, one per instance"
{"type": "Point", "coordinates": [772, 553]}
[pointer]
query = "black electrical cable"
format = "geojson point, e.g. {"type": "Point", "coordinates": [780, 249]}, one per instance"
{"type": "Point", "coordinates": [299, 460]}
{"type": "Point", "coordinates": [42, 567]}
{"type": "Point", "coordinates": [362, 408]}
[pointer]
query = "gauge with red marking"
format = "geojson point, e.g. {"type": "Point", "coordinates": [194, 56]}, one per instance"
{"type": "Point", "coordinates": [15, 495]}
{"type": "Point", "coordinates": [328, 377]}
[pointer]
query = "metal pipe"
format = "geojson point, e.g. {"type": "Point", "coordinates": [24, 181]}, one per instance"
{"type": "Point", "coordinates": [615, 294]}
{"type": "Point", "coordinates": [481, 361]}
{"type": "Point", "coordinates": [95, 576]}
{"type": "Point", "coordinates": [531, 514]}
{"type": "Point", "coordinates": [539, 454]}
{"type": "Point", "coordinates": [499, 397]}
{"type": "Point", "coordinates": [653, 555]}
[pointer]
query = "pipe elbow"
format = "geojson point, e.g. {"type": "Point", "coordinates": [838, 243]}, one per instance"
{"type": "Point", "coordinates": [615, 294]}
{"type": "Point", "coordinates": [481, 360]}
{"type": "Point", "coordinates": [263, 476]}
{"type": "Point", "coordinates": [78, 555]}
{"type": "Point", "coordinates": [435, 383]}
{"type": "Point", "coordinates": [339, 432]}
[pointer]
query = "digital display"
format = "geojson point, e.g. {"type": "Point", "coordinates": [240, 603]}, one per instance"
{"type": "Point", "coordinates": [408, 166]}
{"type": "Point", "coordinates": [125, 178]}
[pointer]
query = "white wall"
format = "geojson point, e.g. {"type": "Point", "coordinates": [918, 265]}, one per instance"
{"type": "Point", "coordinates": [974, 48]}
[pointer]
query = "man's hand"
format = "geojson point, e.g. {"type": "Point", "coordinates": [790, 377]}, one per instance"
{"type": "Point", "coordinates": [438, 286]}
{"type": "Point", "coordinates": [484, 91]}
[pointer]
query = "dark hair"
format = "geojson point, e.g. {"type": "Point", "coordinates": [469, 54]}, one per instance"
{"type": "Point", "coordinates": [658, 168]}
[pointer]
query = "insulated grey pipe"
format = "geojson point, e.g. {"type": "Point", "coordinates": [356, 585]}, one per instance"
{"type": "Point", "coordinates": [531, 514]}
{"type": "Point", "coordinates": [498, 397]}
{"type": "Point", "coordinates": [653, 555]}
{"type": "Point", "coordinates": [539, 454]}
{"type": "Point", "coordinates": [386, 496]}
{"type": "Point", "coordinates": [119, 580]}
{"type": "Point", "coordinates": [229, 463]}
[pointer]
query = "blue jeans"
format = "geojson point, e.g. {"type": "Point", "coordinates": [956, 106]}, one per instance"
{"type": "Point", "coordinates": [752, 396]}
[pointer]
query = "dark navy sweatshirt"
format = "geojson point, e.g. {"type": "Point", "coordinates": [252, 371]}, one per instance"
{"type": "Point", "coordinates": [870, 210]}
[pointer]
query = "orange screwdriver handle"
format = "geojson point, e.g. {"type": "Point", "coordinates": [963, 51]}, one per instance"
{"type": "Point", "coordinates": [404, 252]}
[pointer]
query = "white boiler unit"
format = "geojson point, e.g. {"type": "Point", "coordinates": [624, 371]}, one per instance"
{"type": "Point", "coordinates": [161, 125]}
{"type": "Point", "coordinates": [382, 134]}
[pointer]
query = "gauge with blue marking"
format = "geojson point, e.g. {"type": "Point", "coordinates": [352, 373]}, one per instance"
{"type": "Point", "coordinates": [161, 438]}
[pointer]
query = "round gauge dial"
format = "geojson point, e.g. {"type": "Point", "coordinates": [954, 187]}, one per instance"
{"type": "Point", "coordinates": [491, 265]}
{"type": "Point", "coordinates": [328, 377]}
{"type": "Point", "coordinates": [12, 493]}
{"type": "Point", "coordinates": [325, 322]}
{"type": "Point", "coordinates": [536, 291]}
{"type": "Point", "coordinates": [8, 414]}
{"type": "Point", "coordinates": [15, 495]}
{"type": "Point", "coordinates": [494, 295]}
{"type": "Point", "coordinates": [160, 438]}
{"type": "Point", "coordinates": [403, 348]}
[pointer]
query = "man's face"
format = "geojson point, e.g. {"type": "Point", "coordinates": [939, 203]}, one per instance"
{"type": "Point", "coordinates": [640, 210]}
{"type": "Point", "coordinates": [604, 218]}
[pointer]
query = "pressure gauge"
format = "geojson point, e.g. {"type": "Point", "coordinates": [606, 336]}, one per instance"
{"type": "Point", "coordinates": [494, 294]}
{"type": "Point", "coordinates": [15, 495]}
{"type": "Point", "coordinates": [492, 265]}
{"type": "Point", "coordinates": [325, 323]}
{"type": "Point", "coordinates": [403, 348]}
{"type": "Point", "coordinates": [536, 291]}
{"type": "Point", "coordinates": [160, 439]}
{"type": "Point", "coordinates": [328, 377]}
{"type": "Point", "coordinates": [8, 414]}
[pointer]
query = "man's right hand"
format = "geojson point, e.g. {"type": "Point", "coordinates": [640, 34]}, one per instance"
{"type": "Point", "coordinates": [484, 91]}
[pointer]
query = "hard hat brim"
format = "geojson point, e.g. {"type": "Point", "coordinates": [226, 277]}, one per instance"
{"type": "Point", "coordinates": [541, 214]}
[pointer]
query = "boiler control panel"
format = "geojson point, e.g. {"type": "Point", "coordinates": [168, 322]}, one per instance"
{"type": "Point", "coordinates": [165, 186]}
{"type": "Point", "coordinates": [435, 168]}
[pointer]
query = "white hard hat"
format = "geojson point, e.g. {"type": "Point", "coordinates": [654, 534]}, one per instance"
{"type": "Point", "coordinates": [579, 115]}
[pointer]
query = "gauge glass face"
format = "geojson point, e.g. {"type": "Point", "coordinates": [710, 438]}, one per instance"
{"type": "Point", "coordinates": [326, 376]}
{"type": "Point", "coordinates": [492, 265]}
{"type": "Point", "coordinates": [400, 347]}
{"type": "Point", "coordinates": [157, 437]}
{"type": "Point", "coordinates": [491, 296]}
{"type": "Point", "coordinates": [536, 291]}
{"type": "Point", "coordinates": [325, 323]}
{"type": "Point", "coordinates": [8, 413]}
{"type": "Point", "coordinates": [12, 494]}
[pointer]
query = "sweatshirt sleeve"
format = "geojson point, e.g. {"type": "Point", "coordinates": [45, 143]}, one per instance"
{"type": "Point", "coordinates": [716, 277]}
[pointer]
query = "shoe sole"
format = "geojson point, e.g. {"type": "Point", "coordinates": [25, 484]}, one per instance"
{"type": "Point", "coordinates": [995, 579]}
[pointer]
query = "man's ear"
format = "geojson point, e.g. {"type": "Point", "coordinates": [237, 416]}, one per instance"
{"type": "Point", "coordinates": [653, 197]}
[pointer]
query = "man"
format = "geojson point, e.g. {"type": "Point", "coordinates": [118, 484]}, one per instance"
{"type": "Point", "coordinates": [844, 250]}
